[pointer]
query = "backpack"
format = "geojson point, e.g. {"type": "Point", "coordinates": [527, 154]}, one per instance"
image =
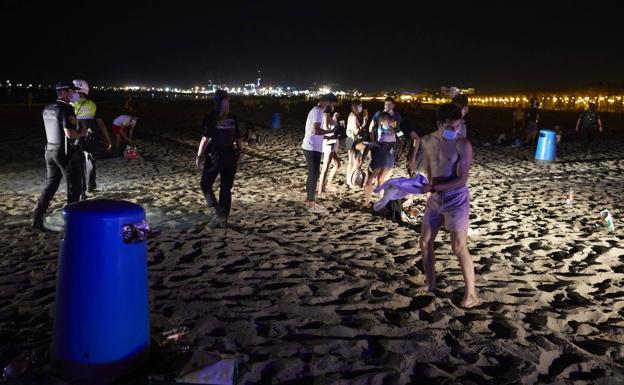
{"type": "Point", "coordinates": [589, 119]}
{"type": "Point", "coordinates": [358, 178]}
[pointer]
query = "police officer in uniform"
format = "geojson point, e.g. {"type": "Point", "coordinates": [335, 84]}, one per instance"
{"type": "Point", "coordinates": [62, 155]}
{"type": "Point", "coordinates": [88, 117]}
{"type": "Point", "coordinates": [219, 151]}
{"type": "Point", "coordinates": [587, 123]}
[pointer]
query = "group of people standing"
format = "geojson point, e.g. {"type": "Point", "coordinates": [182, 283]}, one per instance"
{"type": "Point", "coordinates": [444, 156]}
{"type": "Point", "coordinates": [76, 136]}
{"type": "Point", "coordinates": [525, 124]}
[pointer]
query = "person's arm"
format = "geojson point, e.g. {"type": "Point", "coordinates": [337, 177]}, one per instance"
{"type": "Point", "coordinates": [415, 144]}
{"type": "Point", "coordinates": [599, 124]}
{"type": "Point", "coordinates": [70, 124]}
{"type": "Point", "coordinates": [322, 127]}
{"type": "Point", "coordinates": [131, 130]}
{"type": "Point", "coordinates": [464, 148]}
{"type": "Point", "coordinates": [201, 149]}
{"type": "Point", "coordinates": [126, 138]}
{"type": "Point", "coordinates": [104, 131]}
{"type": "Point", "coordinates": [578, 122]}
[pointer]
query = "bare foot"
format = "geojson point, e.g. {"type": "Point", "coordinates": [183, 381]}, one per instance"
{"type": "Point", "coordinates": [330, 188]}
{"type": "Point", "coordinates": [470, 301]}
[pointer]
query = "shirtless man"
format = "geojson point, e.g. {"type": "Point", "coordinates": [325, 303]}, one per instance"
{"type": "Point", "coordinates": [447, 157]}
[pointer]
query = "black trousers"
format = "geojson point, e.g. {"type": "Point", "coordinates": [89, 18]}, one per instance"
{"type": "Point", "coordinates": [92, 151]}
{"type": "Point", "coordinates": [586, 134]}
{"type": "Point", "coordinates": [313, 162]}
{"type": "Point", "coordinates": [58, 165]}
{"type": "Point", "coordinates": [219, 163]}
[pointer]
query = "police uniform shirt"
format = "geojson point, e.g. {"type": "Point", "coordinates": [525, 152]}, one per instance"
{"type": "Point", "coordinates": [86, 113]}
{"type": "Point", "coordinates": [56, 117]}
{"type": "Point", "coordinates": [222, 131]}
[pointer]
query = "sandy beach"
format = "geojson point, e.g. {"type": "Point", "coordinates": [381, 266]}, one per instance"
{"type": "Point", "coordinates": [304, 298]}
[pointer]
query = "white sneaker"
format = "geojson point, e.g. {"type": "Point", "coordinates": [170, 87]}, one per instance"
{"type": "Point", "coordinates": [317, 209]}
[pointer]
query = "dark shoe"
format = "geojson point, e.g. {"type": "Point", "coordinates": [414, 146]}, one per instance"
{"type": "Point", "coordinates": [37, 225]}
{"type": "Point", "coordinates": [216, 219]}
{"type": "Point", "coordinates": [83, 197]}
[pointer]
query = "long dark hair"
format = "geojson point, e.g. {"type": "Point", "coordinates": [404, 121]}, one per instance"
{"type": "Point", "coordinates": [354, 104]}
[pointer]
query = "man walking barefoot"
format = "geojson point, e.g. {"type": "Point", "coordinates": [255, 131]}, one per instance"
{"type": "Point", "coordinates": [448, 156]}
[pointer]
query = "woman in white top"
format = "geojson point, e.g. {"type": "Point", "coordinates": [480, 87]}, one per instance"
{"type": "Point", "coordinates": [355, 123]}
{"type": "Point", "coordinates": [330, 154]}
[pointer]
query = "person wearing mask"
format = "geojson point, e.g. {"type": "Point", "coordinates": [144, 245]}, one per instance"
{"type": "Point", "coordinates": [316, 127]}
{"type": "Point", "coordinates": [587, 123]}
{"type": "Point", "coordinates": [87, 115]}
{"type": "Point", "coordinates": [63, 156]}
{"type": "Point", "coordinates": [448, 157]}
{"type": "Point", "coordinates": [219, 152]}
{"type": "Point", "coordinates": [383, 154]}
{"type": "Point", "coordinates": [389, 106]}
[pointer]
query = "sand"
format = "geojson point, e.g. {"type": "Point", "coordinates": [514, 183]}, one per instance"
{"type": "Point", "coordinates": [340, 298]}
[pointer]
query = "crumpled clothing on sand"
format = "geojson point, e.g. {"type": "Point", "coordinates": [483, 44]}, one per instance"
{"type": "Point", "coordinates": [399, 188]}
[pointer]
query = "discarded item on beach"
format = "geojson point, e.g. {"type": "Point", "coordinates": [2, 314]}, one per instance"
{"type": "Point", "coordinates": [19, 365]}
{"type": "Point", "coordinates": [399, 188]}
{"type": "Point", "coordinates": [570, 197]}
{"type": "Point", "coordinates": [174, 335]}
{"type": "Point", "coordinates": [210, 368]}
{"type": "Point", "coordinates": [608, 220]}
{"type": "Point", "coordinates": [130, 153]}
{"type": "Point", "coordinates": [358, 177]}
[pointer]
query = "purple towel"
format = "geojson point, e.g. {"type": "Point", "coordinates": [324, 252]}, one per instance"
{"type": "Point", "coordinates": [399, 188]}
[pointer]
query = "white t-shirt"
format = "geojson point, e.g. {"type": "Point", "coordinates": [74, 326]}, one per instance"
{"type": "Point", "coordinates": [123, 120]}
{"type": "Point", "coordinates": [352, 126]}
{"type": "Point", "coordinates": [311, 141]}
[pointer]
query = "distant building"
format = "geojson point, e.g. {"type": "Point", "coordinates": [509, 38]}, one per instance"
{"type": "Point", "coordinates": [452, 91]}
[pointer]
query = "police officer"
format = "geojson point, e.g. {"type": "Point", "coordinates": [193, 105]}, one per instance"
{"type": "Point", "coordinates": [88, 117]}
{"type": "Point", "coordinates": [219, 151]}
{"type": "Point", "coordinates": [587, 123]}
{"type": "Point", "coordinates": [62, 154]}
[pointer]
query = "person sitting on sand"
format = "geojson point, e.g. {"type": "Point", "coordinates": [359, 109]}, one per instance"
{"type": "Point", "coordinates": [251, 136]}
{"type": "Point", "coordinates": [448, 157]}
{"type": "Point", "coordinates": [331, 144]}
{"type": "Point", "coordinates": [383, 152]}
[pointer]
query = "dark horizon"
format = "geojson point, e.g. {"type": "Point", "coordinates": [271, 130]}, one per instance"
{"type": "Point", "coordinates": [492, 47]}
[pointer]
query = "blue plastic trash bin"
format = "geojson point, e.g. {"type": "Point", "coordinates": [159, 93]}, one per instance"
{"type": "Point", "coordinates": [276, 121]}
{"type": "Point", "coordinates": [546, 146]}
{"type": "Point", "coordinates": [101, 321]}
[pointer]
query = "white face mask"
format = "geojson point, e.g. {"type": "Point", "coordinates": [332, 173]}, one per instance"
{"type": "Point", "coordinates": [449, 134]}
{"type": "Point", "coordinates": [75, 97]}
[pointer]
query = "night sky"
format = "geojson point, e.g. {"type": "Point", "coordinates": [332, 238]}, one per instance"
{"type": "Point", "coordinates": [494, 47]}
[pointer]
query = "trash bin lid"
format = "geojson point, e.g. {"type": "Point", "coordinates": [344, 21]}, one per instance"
{"type": "Point", "coordinates": [104, 209]}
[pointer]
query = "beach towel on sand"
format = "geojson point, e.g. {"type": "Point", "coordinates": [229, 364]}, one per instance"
{"type": "Point", "coordinates": [399, 188]}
